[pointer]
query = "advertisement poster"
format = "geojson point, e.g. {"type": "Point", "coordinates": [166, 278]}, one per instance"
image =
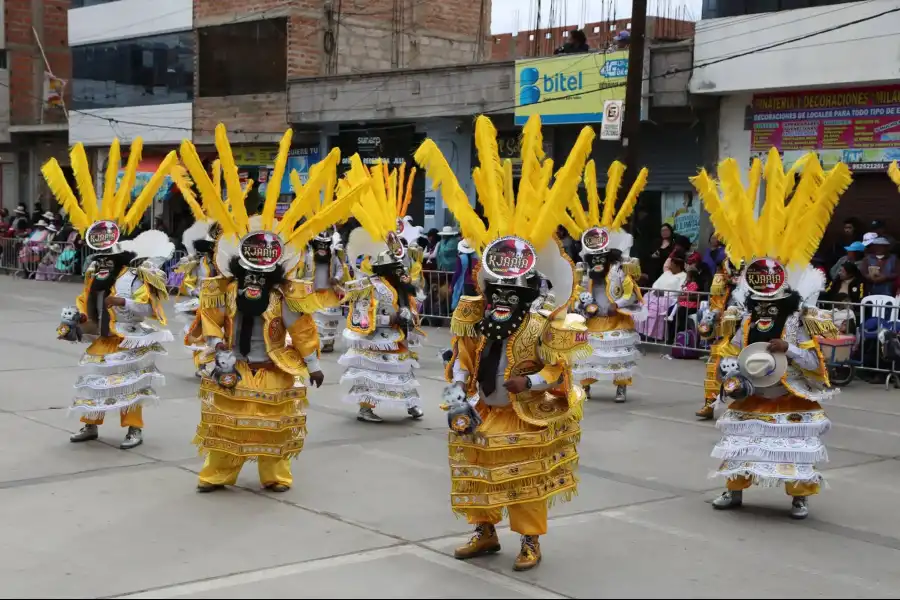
{"type": "Point", "coordinates": [860, 127]}
{"type": "Point", "coordinates": [569, 89]}
{"type": "Point", "coordinates": [258, 163]}
{"type": "Point", "coordinates": [681, 210]}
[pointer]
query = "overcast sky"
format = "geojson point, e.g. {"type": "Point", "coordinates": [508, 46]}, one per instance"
{"type": "Point", "coordinates": [515, 15]}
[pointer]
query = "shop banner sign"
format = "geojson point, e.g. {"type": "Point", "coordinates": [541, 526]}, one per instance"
{"type": "Point", "coordinates": [681, 210]}
{"type": "Point", "coordinates": [569, 89]}
{"type": "Point", "coordinates": [860, 126]}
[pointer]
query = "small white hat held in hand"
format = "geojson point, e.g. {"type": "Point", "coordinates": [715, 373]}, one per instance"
{"type": "Point", "coordinates": [760, 366]}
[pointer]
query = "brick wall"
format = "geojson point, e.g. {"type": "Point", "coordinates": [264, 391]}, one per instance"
{"type": "Point", "coordinates": [507, 46]}
{"type": "Point", "coordinates": [432, 33]}
{"type": "Point", "coordinates": [26, 66]}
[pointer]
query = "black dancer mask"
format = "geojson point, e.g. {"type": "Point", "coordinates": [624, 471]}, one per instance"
{"type": "Point", "coordinates": [106, 270]}
{"type": "Point", "coordinates": [321, 251]}
{"type": "Point", "coordinates": [204, 247]}
{"type": "Point", "coordinates": [254, 290]}
{"type": "Point", "coordinates": [768, 317]}
{"type": "Point", "coordinates": [598, 264]}
{"type": "Point", "coordinates": [506, 308]}
{"type": "Point", "coordinates": [398, 278]}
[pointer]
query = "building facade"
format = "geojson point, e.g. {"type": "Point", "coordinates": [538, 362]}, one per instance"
{"type": "Point", "coordinates": [810, 79]}
{"type": "Point", "coordinates": [34, 62]}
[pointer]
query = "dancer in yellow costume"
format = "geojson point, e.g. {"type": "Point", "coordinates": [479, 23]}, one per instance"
{"type": "Point", "coordinates": [772, 429]}
{"type": "Point", "coordinates": [383, 316]}
{"type": "Point", "coordinates": [199, 241]}
{"type": "Point", "coordinates": [251, 408]}
{"type": "Point", "coordinates": [717, 325]}
{"type": "Point", "coordinates": [124, 287]}
{"type": "Point", "coordinates": [514, 409]}
{"type": "Point", "coordinates": [608, 296]}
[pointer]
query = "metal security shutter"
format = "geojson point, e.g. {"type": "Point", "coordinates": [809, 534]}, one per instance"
{"type": "Point", "coordinates": [871, 196]}
{"type": "Point", "coordinates": [671, 152]}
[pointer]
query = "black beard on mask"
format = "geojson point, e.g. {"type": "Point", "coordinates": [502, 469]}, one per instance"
{"type": "Point", "coordinates": [253, 294]}
{"type": "Point", "coordinates": [506, 308]}
{"type": "Point", "coordinates": [321, 252]}
{"type": "Point", "coordinates": [768, 317]}
{"type": "Point", "coordinates": [106, 270]}
{"type": "Point", "coordinates": [598, 265]}
{"type": "Point", "coordinates": [396, 276]}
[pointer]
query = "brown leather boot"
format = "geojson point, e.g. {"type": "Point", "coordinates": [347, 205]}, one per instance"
{"type": "Point", "coordinates": [530, 555]}
{"type": "Point", "coordinates": [705, 413]}
{"type": "Point", "coordinates": [483, 541]}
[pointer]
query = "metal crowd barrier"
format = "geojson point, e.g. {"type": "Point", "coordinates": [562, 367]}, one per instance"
{"type": "Point", "coordinates": [437, 305]}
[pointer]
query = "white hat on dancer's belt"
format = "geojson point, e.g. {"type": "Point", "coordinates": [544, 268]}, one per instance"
{"type": "Point", "coordinates": [761, 367]}
{"type": "Point", "coordinates": [447, 230]}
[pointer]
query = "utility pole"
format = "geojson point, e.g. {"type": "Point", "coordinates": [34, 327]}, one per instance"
{"type": "Point", "coordinates": [631, 123]}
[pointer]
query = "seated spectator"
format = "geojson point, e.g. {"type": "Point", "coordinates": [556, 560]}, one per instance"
{"type": "Point", "coordinates": [854, 254]}
{"type": "Point", "coordinates": [576, 44]}
{"type": "Point", "coordinates": [688, 301]}
{"type": "Point", "coordinates": [714, 254]}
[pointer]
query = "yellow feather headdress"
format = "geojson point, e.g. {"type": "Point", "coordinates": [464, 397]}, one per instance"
{"type": "Point", "coordinates": [307, 206]}
{"type": "Point", "coordinates": [789, 229]}
{"type": "Point", "coordinates": [113, 205]}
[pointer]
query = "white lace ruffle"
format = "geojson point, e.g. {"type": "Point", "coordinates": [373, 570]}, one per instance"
{"type": "Point", "coordinates": [380, 339]}
{"type": "Point", "coordinates": [188, 306]}
{"type": "Point", "coordinates": [767, 474]}
{"type": "Point", "coordinates": [150, 338]}
{"type": "Point", "coordinates": [603, 373]}
{"type": "Point", "coordinates": [783, 450]}
{"type": "Point", "coordinates": [615, 338]}
{"type": "Point", "coordinates": [405, 399]}
{"type": "Point", "coordinates": [130, 359]}
{"type": "Point", "coordinates": [375, 380]}
{"type": "Point", "coordinates": [615, 356]}
{"type": "Point", "coordinates": [97, 386]}
{"type": "Point", "coordinates": [378, 361]}
{"type": "Point", "coordinates": [798, 424]}
{"type": "Point", "coordinates": [94, 408]}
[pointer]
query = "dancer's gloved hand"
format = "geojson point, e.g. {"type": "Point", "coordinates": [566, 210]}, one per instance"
{"type": "Point", "coordinates": [224, 372]}
{"type": "Point", "coordinates": [317, 377]}
{"type": "Point", "coordinates": [517, 385]}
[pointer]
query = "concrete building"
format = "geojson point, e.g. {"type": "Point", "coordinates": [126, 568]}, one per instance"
{"type": "Point", "coordinates": [822, 78]}
{"type": "Point", "coordinates": [32, 120]}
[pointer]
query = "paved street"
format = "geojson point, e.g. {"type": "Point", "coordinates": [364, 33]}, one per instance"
{"type": "Point", "coordinates": [369, 514]}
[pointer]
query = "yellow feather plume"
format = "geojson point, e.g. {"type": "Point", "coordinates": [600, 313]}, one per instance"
{"type": "Point", "coordinates": [56, 181]}
{"type": "Point", "coordinates": [180, 177]}
{"type": "Point", "coordinates": [82, 171]}
{"type": "Point", "coordinates": [894, 174]}
{"type": "Point", "coordinates": [491, 189]}
{"type": "Point", "coordinates": [108, 201]}
{"type": "Point", "coordinates": [335, 212]}
{"type": "Point", "coordinates": [614, 180]}
{"type": "Point", "coordinates": [808, 230]}
{"type": "Point", "coordinates": [772, 221]}
{"type": "Point", "coordinates": [736, 204]}
{"type": "Point", "coordinates": [590, 184]}
{"type": "Point", "coordinates": [720, 218]}
{"type": "Point", "coordinates": [232, 181]}
{"type": "Point", "coordinates": [217, 176]}
{"type": "Point", "coordinates": [273, 186]}
{"type": "Point", "coordinates": [212, 198]}
{"type": "Point", "coordinates": [577, 210]}
{"type": "Point", "coordinates": [142, 202]}
{"type": "Point", "coordinates": [429, 157]}
{"type": "Point", "coordinates": [126, 185]}
{"type": "Point", "coordinates": [407, 196]}
{"type": "Point", "coordinates": [307, 201]}
{"type": "Point", "coordinates": [631, 199]}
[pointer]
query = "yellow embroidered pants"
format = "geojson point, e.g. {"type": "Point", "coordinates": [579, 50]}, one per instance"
{"type": "Point", "coordinates": [223, 469]}
{"type": "Point", "coordinates": [127, 418]}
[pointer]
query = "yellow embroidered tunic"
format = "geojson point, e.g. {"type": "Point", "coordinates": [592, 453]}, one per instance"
{"type": "Point", "coordinates": [263, 415]}
{"type": "Point", "coordinates": [525, 450]}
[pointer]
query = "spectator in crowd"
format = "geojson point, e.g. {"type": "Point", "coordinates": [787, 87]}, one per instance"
{"type": "Point", "coordinates": [848, 285]}
{"type": "Point", "coordinates": [430, 253]}
{"type": "Point", "coordinates": [702, 274]}
{"type": "Point", "coordinates": [20, 221]}
{"type": "Point", "coordinates": [4, 216]}
{"type": "Point", "coordinates": [688, 301]}
{"type": "Point", "coordinates": [880, 267]}
{"type": "Point", "coordinates": [463, 276]}
{"type": "Point", "coordinates": [852, 232]}
{"type": "Point", "coordinates": [854, 253]}
{"type": "Point", "coordinates": [681, 244]}
{"type": "Point", "coordinates": [447, 248]}
{"type": "Point", "coordinates": [655, 265]}
{"type": "Point", "coordinates": [714, 253]}
{"type": "Point", "coordinates": [37, 213]}
{"type": "Point", "coordinates": [877, 226]}
{"type": "Point", "coordinates": [575, 44]}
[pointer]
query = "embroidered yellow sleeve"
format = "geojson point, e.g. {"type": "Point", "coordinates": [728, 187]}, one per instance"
{"type": "Point", "coordinates": [213, 301]}
{"type": "Point", "coordinates": [469, 312]}
{"type": "Point", "coordinates": [81, 300]}
{"type": "Point", "coordinates": [465, 349]}
{"type": "Point", "coordinates": [300, 297]}
{"type": "Point", "coordinates": [304, 335]}
{"type": "Point", "coordinates": [564, 341]}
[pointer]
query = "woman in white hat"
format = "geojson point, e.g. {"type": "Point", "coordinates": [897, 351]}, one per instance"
{"type": "Point", "coordinates": [772, 429]}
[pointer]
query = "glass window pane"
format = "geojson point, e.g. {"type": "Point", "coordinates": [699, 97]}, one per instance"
{"type": "Point", "coordinates": [243, 58]}
{"type": "Point", "coordinates": [134, 72]}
